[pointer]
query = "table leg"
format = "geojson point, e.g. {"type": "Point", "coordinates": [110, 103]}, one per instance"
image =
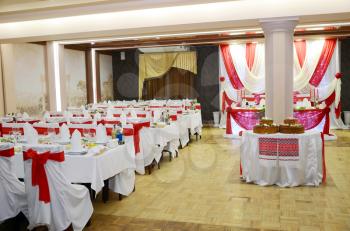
{"type": "Point", "coordinates": [105, 191]}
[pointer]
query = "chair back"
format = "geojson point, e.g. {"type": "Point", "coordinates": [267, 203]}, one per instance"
{"type": "Point", "coordinates": [44, 128]}
{"type": "Point", "coordinates": [12, 192]}
{"type": "Point", "coordinates": [8, 128]}
{"type": "Point", "coordinates": [81, 128]}
{"type": "Point", "coordinates": [45, 185]}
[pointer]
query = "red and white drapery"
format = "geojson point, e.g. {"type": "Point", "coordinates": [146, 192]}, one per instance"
{"type": "Point", "coordinates": [315, 66]}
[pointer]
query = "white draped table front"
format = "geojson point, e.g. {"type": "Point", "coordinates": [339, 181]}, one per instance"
{"type": "Point", "coordinates": [286, 160]}
{"type": "Point", "coordinates": [93, 167]}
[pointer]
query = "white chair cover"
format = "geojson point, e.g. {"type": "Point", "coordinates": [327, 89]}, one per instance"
{"type": "Point", "coordinates": [70, 204]}
{"type": "Point", "coordinates": [12, 192]}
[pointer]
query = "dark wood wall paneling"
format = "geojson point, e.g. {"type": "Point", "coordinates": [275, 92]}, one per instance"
{"type": "Point", "coordinates": [206, 84]}
{"type": "Point", "coordinates": [345, 69]}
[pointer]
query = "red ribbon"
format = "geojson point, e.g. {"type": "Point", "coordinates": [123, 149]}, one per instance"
{"type": "Point", "coordinates": [39, 177]}
{"type": "Point", "coordinates": [7, 152]}
{"type": "Point", "coordinates": [137, 127]}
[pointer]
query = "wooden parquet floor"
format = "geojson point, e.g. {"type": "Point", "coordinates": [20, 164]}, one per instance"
{"type": "Point", "coordinates": [201, 190]}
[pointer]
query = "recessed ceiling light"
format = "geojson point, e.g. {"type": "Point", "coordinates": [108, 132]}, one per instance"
{"type": "Point", "coordinates": [92, 43]}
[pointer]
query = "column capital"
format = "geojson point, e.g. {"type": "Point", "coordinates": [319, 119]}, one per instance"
{"type": "Point", "coordinates": [284, 24]}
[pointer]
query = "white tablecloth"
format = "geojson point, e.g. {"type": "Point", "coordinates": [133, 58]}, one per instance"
{"type": "Point", "coordinates": [91, 168]}
{"type": "Point", "coordinates": [286, 160]}
{"type": "Point", "coordinates": [193, 121]}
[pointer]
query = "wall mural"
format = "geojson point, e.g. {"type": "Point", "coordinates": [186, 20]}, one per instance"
{"type": "Point", "coordinates": [29, 70]}
{"type": "Point", "coordinates": [75, 73]}
{"type": "Point", "coordinates": [106, 77]}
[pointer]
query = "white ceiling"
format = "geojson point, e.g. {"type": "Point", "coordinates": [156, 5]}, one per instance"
{"type": "Point", "coordinates": [123, 18]}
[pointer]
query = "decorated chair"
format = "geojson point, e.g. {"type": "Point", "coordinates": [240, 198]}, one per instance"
{"type": "Point", "coordinates": [12, 192]}
{"type": "Point", "coordinates": [10, 128]}
{"type": "Point", "coordinates": [52, 200]}
{"type": "Point", "coordinates": [82, 128]}
{"type": "Point", "coordinates": [81, 120]}
{"type": "Point", "coordinates": [46, 128]}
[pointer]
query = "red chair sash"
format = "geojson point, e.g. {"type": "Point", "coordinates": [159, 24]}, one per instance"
{"type": "Point", "coordinates": [111, 122]}
{"type": "Point", "coordinates": [39, 177]}
{"type": "Point", "coordinates": [116, 115]}
{"type": "Point", "coordinates": [45, 130]}
{"type": "Point", "coordinates": [78, 115]}
{"type": "Point", "coordinates": [155, 106]}
{"type": "Point", "coordinates": [26, 121]}
{"type": "Point", "coordinates": [141, 115]}
{"type": "Point", "coordinates": [86, 122]}
{"type": "Point", "coordinates": [7, 152]}
{"type": "Point", "coordinates": [137, 127]}
{"type": "Point", "coordinates": [81, 130]}
{"type": "Point", "coordinates": [8, 130]}
{"type": "Point", "coordinates": [173, 117]}
{"type": "Point", "coordinates": [198, 107]}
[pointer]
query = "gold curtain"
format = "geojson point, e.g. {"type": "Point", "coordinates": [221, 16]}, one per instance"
{"type": "Point", "coordinates": [152, 65]}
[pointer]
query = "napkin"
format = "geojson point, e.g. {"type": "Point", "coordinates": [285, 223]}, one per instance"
{"type": "Point", "coordinates": [67, 114]}
{"type": "Point", "coordinates": [25, 115]}
{"type": "Point", "coordinates": [133, 114]}
{"type": "Point", "coordinates": [76, 142]}
{"type": "Point", "coordinates": [123, 119]}
{"type": "Point", "coordinates": [101, 134]}
{"type": "Point", "coordinates": [30, 134]}
{"type": "Point", "coordinates": [64, 132]}
{"type": "Point", "coordinates": [156, 115]}
{"type": "Point", "coordinates": [46, 115]}
{"type": "Point", "coordinates": [109, 113]}
{"type": "Point", "coordinates": [86, 114]}
{"type": "Point", "coordinates": [97, 116]}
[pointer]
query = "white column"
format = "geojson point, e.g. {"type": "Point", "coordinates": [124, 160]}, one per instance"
{"type": "Point", "coordinates": [279, 67]}
{"type": "Point", "coordinates": [55, 72]}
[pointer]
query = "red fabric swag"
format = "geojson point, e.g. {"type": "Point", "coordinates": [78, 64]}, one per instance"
{"type": "Point", "coordinates": [230, 68]}
{"type": "Point", "coordinates": [300, 47]}
{"type": "Point", "coordinates": [250, 54]}
{"type": "Point", "coordinates": [323, 62]}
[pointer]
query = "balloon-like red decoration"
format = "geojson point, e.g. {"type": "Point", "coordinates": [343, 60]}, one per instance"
{"type": "Point", "coordinates": [339, 75]}
{"type": "Point", "coordinates": [222, 79]}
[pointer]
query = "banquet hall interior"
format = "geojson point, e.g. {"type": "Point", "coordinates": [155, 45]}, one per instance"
{"type": "Point", "coordinates": [174, 115]}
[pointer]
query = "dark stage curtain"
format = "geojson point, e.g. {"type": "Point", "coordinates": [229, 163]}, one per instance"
{"type": "Point", "coordinates": [175, 84]}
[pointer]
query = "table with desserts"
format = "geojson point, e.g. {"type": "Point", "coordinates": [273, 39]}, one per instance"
{"type": "Point", "coordinates": [283, 155]}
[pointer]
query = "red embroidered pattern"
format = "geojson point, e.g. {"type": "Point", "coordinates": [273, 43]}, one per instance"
{"type": "Point", "coordinates": [283, 149]}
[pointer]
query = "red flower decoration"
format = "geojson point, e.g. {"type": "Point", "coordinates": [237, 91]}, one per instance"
{"type": "Point", "coordinates": [339, 75]}
{"type": "Point", "coordinates": [222, 79]}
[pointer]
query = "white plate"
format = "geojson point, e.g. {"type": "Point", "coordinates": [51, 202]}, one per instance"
{"type": "Point", "coordinates": [70, 152]}
{"type": "Point", "coordinates": [63, 141]}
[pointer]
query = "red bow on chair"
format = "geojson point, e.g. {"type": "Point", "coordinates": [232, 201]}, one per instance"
{"type": "Point", "coordinates": [7, 152]}
{"type": "Point", "coordinates": [39, 177]}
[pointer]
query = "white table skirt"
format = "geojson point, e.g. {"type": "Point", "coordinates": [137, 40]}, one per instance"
{"type": "Point", "coordinates": [298, 159]}
{"type": "Point", "coordinates": [91, 168]}
{"type": "Point", "coordinates": [193, 121]}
